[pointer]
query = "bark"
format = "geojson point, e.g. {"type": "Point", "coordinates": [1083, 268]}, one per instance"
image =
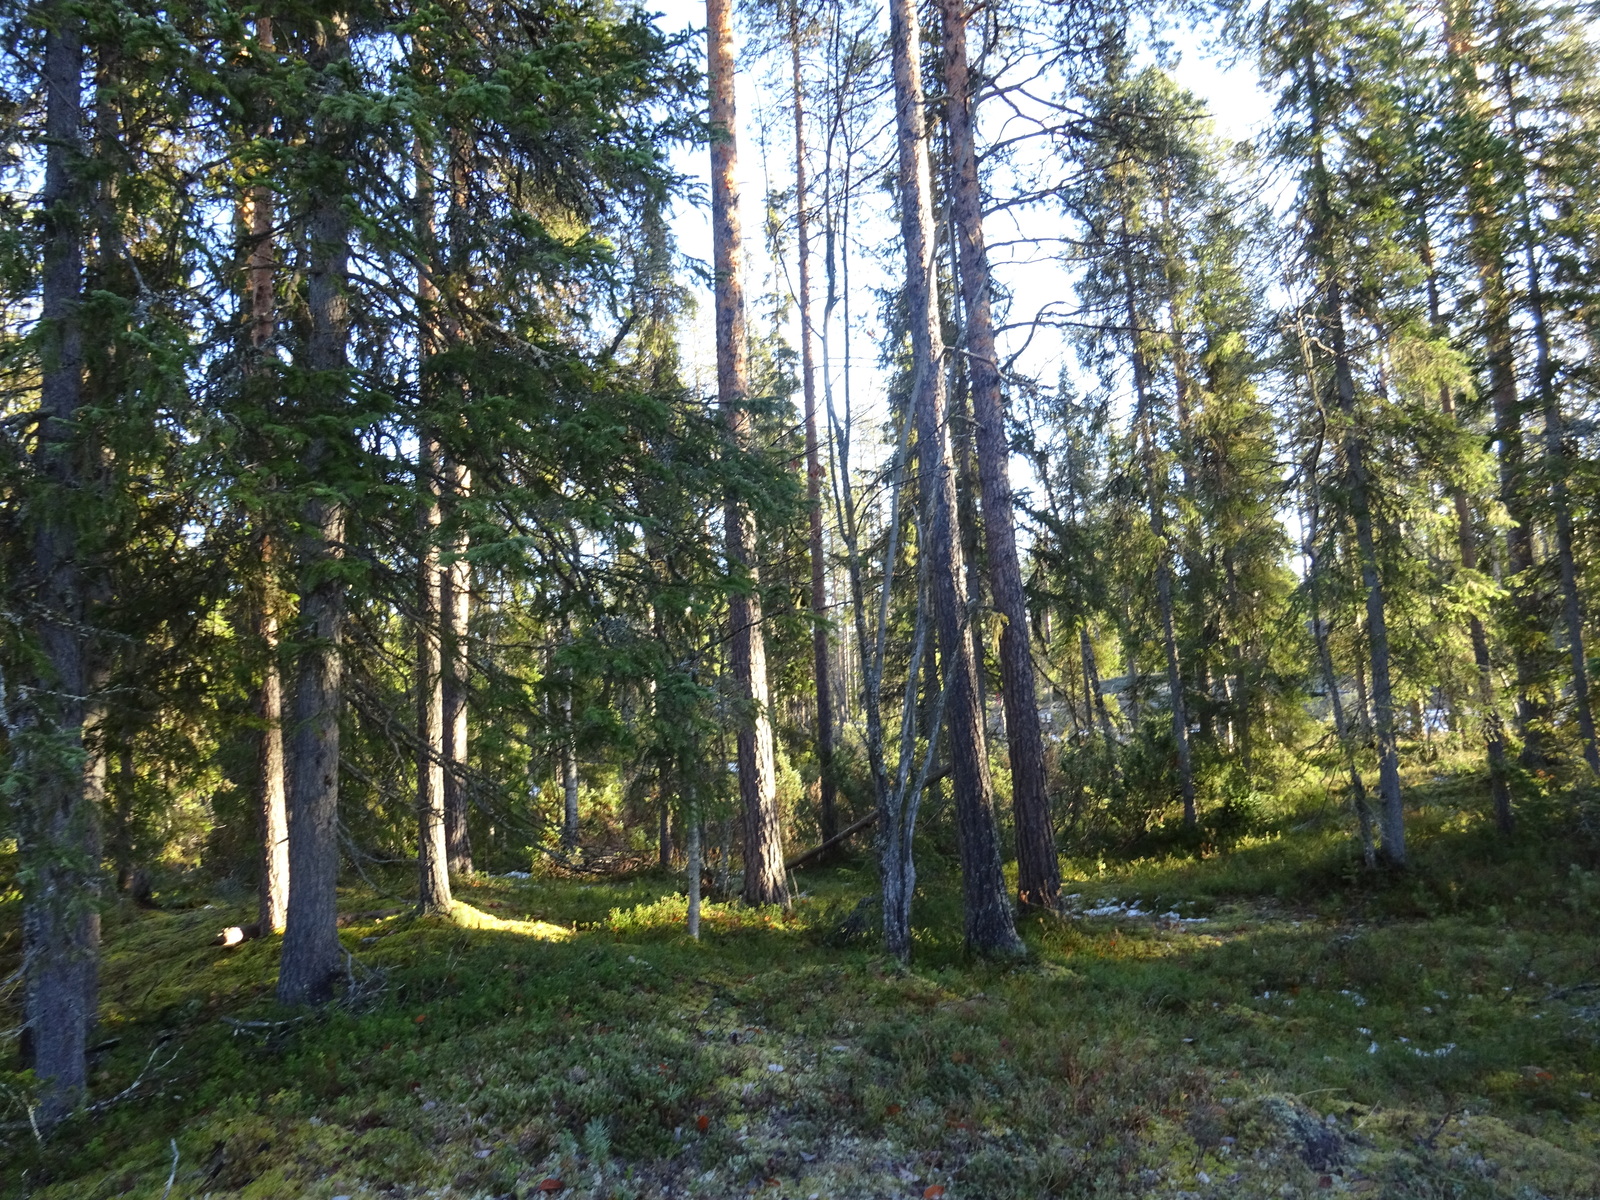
{"type": "Point", "coordinates": [312, 956]}
{"type": "Point", "coordinates": [433, 874]}
{"type": "Point", "coordinates": [1358, 491]}
{"type": "Point", "coordinates": [457, 583]}
{"type": "Point", "coordinates": [989, 921]}
{"type": "Point", "coordinates": [764, 881]}
{"type": "Point", "coordinates": [569, 774]}
{"type": "Point", "coordinates": [58, 755]}
{"type": "Point", "coordinates": [828, 814]}
{"type": "Point", "coordinates": [1358, 498]}
{"type": "Point", "coordinates": [693, 821]}
{"type": "Point", "coordinates": [1341, 727]}
{"type": "Point", "coordinates": [1038, 870]}
{"type": "Point", "coordinates": [271, 803]}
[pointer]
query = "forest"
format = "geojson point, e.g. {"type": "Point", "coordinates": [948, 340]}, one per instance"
{"type": "Point", "coordinates": [1051, 657]}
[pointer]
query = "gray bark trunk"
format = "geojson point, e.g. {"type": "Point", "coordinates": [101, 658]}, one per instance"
{"type": "Point", "coordinates": [1038, 869]}
{"type": "Point", "coordinates": [311, 956]}
{"type": "Point", "coordinates": [60, 761]}
{"type": "Point", "coordinates": [1358, 493]}
{"type": "Point", "coordinates": [989, 922]}
{"type": "Point", "coordinates": [569, 774]}
{"type": "Point", "coordinates": [764, 879]}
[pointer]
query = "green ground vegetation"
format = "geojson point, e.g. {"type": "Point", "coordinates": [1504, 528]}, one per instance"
{"type": "Point", "coordinates": [1272, 1022]}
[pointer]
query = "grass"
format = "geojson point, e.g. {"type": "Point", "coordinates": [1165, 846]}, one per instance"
{"type": "Point", "coordinates": [1320, 1032]}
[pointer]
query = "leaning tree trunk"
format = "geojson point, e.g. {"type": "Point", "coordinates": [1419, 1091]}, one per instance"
{"type": "Point", "coordinates": [764, 880]}
{"type": "Point", "coordinates": [311, 956]}
{"type": "Point", "coordinates": [829, 819]}
{"type": "Point", "coordinates": [990, 924]}
{"type": "Point", "coordinates": [1038, 870]}
{"type": "Point", "coordinates": [433, 871]}
{"type": "Point", "coordinates": [272, 816]}
{"type": "Point", "coordinates": [58, 756]}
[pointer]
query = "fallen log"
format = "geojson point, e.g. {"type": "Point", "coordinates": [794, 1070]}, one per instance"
{"type": "Point", "coordinates": [818, 852]}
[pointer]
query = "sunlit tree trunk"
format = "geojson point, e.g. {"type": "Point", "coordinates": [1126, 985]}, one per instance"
{"type": "Point", "coordinates": [271, 803]}
{"type": "Point", "coordinates": [271, 796]}
{"type": "Point", "coordinates": [764, 879]}
{"type": "Point", "coordinates": [456, 594]}
{"type": "Point", "coordinates": [990, 924]}
{"type": "Point", "coordinates": [1038, 870]}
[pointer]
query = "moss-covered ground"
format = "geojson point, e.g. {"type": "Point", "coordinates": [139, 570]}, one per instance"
{"type": "Point", "coordinates": [1319, 1032]}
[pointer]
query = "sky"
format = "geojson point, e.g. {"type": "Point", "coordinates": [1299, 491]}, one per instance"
{"type": "Point", "coordinates": [1239, 110]}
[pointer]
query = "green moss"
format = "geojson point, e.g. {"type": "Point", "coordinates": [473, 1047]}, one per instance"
{"type": "Point", "coordinates": [570, 1029]}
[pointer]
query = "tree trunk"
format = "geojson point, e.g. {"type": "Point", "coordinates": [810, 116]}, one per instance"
{"type": "Point", "coordinates": [60, 764]}
{"type": "Point", "coordinates": [457, 610]}
{"type": "Point", "coordinates": [828, 813]}
{"type": "Point", "coordinates": [990, 925]}
{"type": "Point", "coordinates": [311, 955]}
{"type": "Point", "coordinates": [692, 819]}
{"type": "Point", "coordinates": [433, 871]}
{"type": "Point", "coordinates": [1038, 870]}
{"type": "Point", "coordinates": [1358, 499]}
{"type": "Point", "coordinates": [1341, 727]}
{"type": "Point", "coordinates": [271, 809]}
{"type": "Point", "coordinates": [764, 880]}
{"type": "Point", "coordinates": [569, 774]}
{"type": "Point", "coordinates": [1486, 249]}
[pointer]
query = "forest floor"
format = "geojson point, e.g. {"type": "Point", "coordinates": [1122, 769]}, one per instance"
{"type": "Point", "coordinates": [1270, 1023]}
